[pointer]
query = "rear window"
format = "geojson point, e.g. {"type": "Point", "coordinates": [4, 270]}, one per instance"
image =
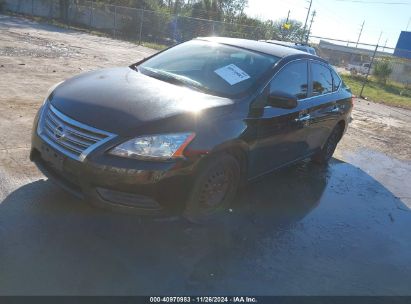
{"type": "Point", "coordinates": [214, 68]}
{"type": "Point", "coordinates": [336, 80]}
{"type": "Point", "coordinates": [322, 79]}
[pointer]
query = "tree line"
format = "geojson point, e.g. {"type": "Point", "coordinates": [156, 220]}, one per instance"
{"type": "Point", "coordinates": [228, 16]}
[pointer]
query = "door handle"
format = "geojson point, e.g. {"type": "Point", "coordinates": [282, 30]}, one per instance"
{"type": "Point", "coordinates": [335, 109]}
{"type": "Point", "coordinates": [303, 118]}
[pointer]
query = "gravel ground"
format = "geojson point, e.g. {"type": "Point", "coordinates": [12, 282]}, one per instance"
{"type": "Point", "coordinates": [340, 230]}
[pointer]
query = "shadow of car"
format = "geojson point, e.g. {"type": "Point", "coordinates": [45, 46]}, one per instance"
{"type": "Point", "coordinates": [303, 230]}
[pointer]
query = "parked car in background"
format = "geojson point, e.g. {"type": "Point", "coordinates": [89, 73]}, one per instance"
{"type": "Point", "coordinates": [299, 46]}
{"type": "Point", "coordinates": [359, 68]}
{"type": "Point", "coordinates": [181, 130]}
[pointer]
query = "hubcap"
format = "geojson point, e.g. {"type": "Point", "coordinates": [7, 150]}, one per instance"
{"type": "Point", "coordinates": [215, 189]}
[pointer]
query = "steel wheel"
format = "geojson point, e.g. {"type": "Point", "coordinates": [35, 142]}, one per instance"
{"type": "Point", "coordinates": [325, 154]}
{"type": "Point", "coordinates": [214, 189]}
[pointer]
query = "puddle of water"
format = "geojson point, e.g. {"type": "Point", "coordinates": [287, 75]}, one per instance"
{"type": "Point", "coordinates": [389, 171]}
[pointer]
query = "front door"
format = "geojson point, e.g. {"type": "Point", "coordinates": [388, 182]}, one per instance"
{"type": "Point", "coordinates": [281, 132]}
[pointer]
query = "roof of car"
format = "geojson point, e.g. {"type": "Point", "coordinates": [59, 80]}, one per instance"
{"type": "Point", "coordinates": [258, 46]}
{"type": "Point", "coordinates": [298, 46]}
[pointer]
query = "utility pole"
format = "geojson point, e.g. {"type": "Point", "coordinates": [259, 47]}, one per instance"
{"type": "Point", "coordinates": [408, 24]}
{"type": "Point", "coordinates": [379, 38]}
{"type": "Point", "coordinates": [311, 24]}
{"type": "Point", "coordinates": [306, 19]}
{"type": "Point", "coordinates": [368, 71]}
{"type": "Point", "coordinates": [385, 44]}
{"type": "Point", "coordinates": [288, 16]}
{"type": "Point", "coordinates": [282, 29]}
{"type": "Point", "coordinates": [359, 36]}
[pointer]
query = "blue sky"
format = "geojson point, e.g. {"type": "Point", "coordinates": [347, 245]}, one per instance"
{"type": "Point", "coordinates": [342, 19]}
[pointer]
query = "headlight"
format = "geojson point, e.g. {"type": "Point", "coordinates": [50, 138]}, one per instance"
{"type": "Point", "coordinates": [53, 87]}
{"type": "Point", "coordinates": [50, 90]}
{"type": "Point", "coordinates": [41, 110]}
{"type": "Point", "coordinates": [154, 147]}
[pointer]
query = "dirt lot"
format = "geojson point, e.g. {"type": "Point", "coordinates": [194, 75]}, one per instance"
{"type": "Point", "coordinates": [340, 230]}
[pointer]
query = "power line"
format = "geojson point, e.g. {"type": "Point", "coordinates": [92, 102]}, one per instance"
{"type": "Point", "coordinates": [322, 5]}
{"type": "Point", "coordinates": [375, 2]}
{"type": "Point", "coordinates": [337, 17]}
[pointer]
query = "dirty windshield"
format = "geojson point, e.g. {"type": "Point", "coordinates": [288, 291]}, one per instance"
{"type": "Point", "coordinates": [211, 67]}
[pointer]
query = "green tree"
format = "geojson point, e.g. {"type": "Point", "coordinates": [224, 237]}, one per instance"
{"type": "Point", "coordinates": [293, 33]}
{"type": "Point", "coordinates": [144, 4]}
{"type": "Point", "coordinates": [382, 70]}
{"type": "Point", "coordinates": [223, 10]}
{"type": "Point", "coordinates": [256, 29]}
{"type": "Point", "coordinates": [231, 9]}
{"type": "Point", "coordinates": [206, 9]}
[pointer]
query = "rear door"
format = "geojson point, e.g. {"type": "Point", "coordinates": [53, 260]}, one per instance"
{"type": "Point", "coordinates": [324, 110]}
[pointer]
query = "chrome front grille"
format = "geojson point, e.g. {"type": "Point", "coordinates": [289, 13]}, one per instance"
{"type": "Point", "coordinates": [69, 136]}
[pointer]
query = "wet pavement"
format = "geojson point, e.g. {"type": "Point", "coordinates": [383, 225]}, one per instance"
{"type": "Point", "coordinates": [304, 230]}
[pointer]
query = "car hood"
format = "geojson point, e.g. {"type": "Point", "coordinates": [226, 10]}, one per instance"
{"type": "Point", "coordinates": [120, 100]}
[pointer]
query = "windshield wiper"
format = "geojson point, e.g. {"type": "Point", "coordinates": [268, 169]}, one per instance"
{"type": "Point", "coordinates": [176, 79]}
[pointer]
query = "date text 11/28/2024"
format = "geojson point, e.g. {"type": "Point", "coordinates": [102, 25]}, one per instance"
{"type": "Point", "coordinates": [203, 300]}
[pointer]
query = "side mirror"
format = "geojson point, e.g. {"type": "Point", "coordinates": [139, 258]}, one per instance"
{"type": "Point", "coordinates": [282, 100]}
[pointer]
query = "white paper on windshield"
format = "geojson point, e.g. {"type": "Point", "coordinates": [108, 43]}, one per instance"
{"type": "Point", "coordinates": [232, 74]}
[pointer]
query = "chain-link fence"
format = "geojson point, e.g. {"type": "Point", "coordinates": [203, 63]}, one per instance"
{"type": "Point", "coordinates": [360, 59]}
{"type": "Point", "coordinates": [371, 71]}
{"type": "Point", "coordinates": [132, 23]}
{"type": "Point", "coordinates": [356, 58]}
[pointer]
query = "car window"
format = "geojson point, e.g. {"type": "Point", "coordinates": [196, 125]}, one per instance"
{"type": "Point", "coordinates": [292, 79]}
{"type": "Point", "coordinates": [212, 67]}
{"type": "Point", "coordinates": [336, 80]}
{"type": "Point", "coordinates": [321, 78]}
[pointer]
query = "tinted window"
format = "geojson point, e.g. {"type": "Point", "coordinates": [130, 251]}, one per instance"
{"type": "Point", "coordinates": [292, 79]}
{"type": "Point", "coordinates": [214, 68]}
{"type": "Point", "coordinates": [322, 80]}
{"type": "Point", "coordinates": [336, 80]}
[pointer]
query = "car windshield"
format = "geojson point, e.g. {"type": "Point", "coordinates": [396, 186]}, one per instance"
{"type": "Point", "coordinates": [210, 67]}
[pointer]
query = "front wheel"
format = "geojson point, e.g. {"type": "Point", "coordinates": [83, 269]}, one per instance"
{"type": "Point", "coordinates": [214, 189]}
{"type": "Point", "coordinates": [324, 155]}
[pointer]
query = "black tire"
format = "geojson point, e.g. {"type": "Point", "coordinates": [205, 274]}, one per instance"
{"type": "Point", "coordinates": [214, 189]}
{"type": "Point", "coordinates": [323, 156]}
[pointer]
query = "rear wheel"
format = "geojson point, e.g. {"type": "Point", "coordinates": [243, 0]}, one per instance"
{"type": "Point", "coordinates": [214, 189]}
{"type": "Point", "coordinates": [324, 155]}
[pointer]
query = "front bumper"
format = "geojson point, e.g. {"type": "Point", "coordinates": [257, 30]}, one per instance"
{"type": "Point", "coordinates": [117, 183]}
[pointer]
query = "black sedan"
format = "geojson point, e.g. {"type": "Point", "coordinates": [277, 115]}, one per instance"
{"type": "Point", "coordinates": [182, 130]}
